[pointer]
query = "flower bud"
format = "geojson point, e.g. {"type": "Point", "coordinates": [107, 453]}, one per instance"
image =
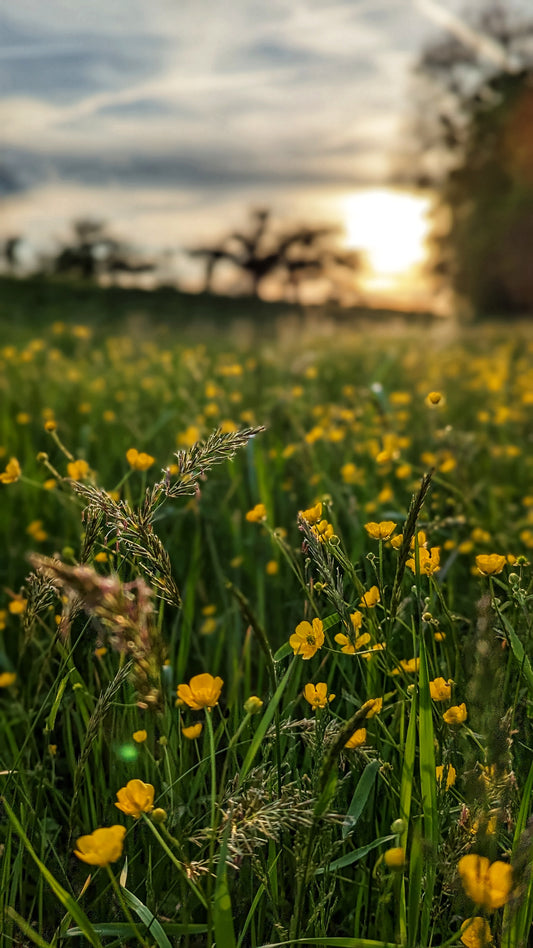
{"type": "Point", "coordinates": [398, 827]}
{"type": "Point", "coordinates": [253, 704]}
{"type": "Point", "coordinates": [159, 815]}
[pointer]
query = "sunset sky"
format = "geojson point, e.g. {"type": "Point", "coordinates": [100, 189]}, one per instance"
{"type": "Point", "coordinates": [169, 119]}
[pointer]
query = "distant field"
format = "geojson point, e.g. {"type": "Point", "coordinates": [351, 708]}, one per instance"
{"type": "Point", "coordinates": [381, 638]}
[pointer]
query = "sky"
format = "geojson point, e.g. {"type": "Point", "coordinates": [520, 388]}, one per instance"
{"type": "Point", "coordinates": [170, 118]}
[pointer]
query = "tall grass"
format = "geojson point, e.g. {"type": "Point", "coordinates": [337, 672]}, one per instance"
{"type": "Point", "coordinates": [203, 509]}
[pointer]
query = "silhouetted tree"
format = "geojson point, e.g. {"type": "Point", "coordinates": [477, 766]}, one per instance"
{"type": "Point", "coordinates": [93, 254]}
{"type": "Point", "coordinates": [479, 139]}
{"type": "Point", "coordinates": [294, 255]}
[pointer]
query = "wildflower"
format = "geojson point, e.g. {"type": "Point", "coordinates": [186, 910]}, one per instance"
{"type": "Point", "coordinates": [192, 731]}
{"type": "Point", "coordinates": [490, 564]}
{"type": "Point", "coordinates": [307, 639]}
{"type": "Point", "coordinates": [434, 398]}
{"type": "Point", "coordinates": [189, 437]}
{"type": "Point", "coordinates": [139, 460]}
{"type": "Point", "coordinates": [395, 857]}
{"type": "Point", "coordinates": [203, 691]}
{"type": "Point", "coordinates": [17, 606]}
{"type": "Point", "coordinates": [380, 531]}
{"type": "Point", "coordinates": [440, 690]}
{"type": "Point", "coordinates": [7, 679]}
{"type": "Point", "coordinates": [317, 696]}
{"type": "Point", "coordinates": [372, 707]}
{"type": "Point", "coordinates": [102, 846]}
{"type": "Point", "coordinates": [253, 705]}
{"type": "Point", "coordinates": [357, 739]}
{"type": "Point", "coordinates": [11, 473]}
{"type": "Point", "coordinates": [257, 514]}
{"type": "Point", "coordinates": [139, 736]}
{"type": "Point", "coordinates": [36, 532]}
{"type": "Point", "coordinates": [312, 514]}
{"type": "Point", "coordinates": [370, 598]}
{"type": "Point", "coordinates": [456, 714]}
{"type": "Point", "coordinates": [77, 470]}
{"type": "Point", "coordinates": [272, 568]}
{"type": "Point", "coordinates": [451, 774]}
{"type": "Point", "coordinates": [208, 626]}
{"type": "Point", "coordinates": [408, 665]}
{"type": "Point", "coordinates": [349, 647]}
{"type": "Point", "coordinates": [487, 884]}
{"type": "Point", "coordinates": [101, 557]}
{"type": "Point", "coordinates": [135, 798]}
{"type": "Point", "coordinates": [428, 561]}
{"type": "Point", "coordinates": [476, 933]}
{"type": "Point", "coordinates": [323, 531]}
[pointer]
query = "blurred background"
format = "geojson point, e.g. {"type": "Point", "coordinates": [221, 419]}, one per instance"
{"type": "Point", "coordinates": [373, 153]}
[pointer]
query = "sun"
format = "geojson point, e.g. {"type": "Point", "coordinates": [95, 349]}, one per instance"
{"type": "Point", "coordinates": [390, 226]}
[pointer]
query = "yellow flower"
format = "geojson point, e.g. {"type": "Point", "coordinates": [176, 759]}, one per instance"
{"type": "Point", "coordinates": [307, 639]}
{"type": "Point", "coordinates": [102, 846]}
{"type": "Point", "coordinates": [440, 690]}
{"type": "Point", "coordinates": [272, 568]}
{"type": "Point", "coordinates": [456, 714]}
{"type": "Point", "coordinates": [135, 798]}
{"type": "Point", "coordinates": [253, 705]}
{"type": "Point", "coordinates": [490, 564]}
{"type": "Point", "coordinates": [487, 884]}
{"type": "Point", "coordinates": [434, 398]}
{"type": "Point", "coordinates": [408, 665]}
{"type": "Point", "coordinates": [193, 731]}
{"type": "Point", "coordinates": [203, 691]}
{"type": "Point", "coordinates": [372, 706]}
{"type": "Point", "coordinates": [77, 470]}
{"type": "Point", "coordinates": [7, 679]}
{"type": "Point", "coordinates": [357, 739]}
{"type": "Point", "coordinates": [317, 696]}
{"type": "Point", "coordinates": [451, 774]}
{"type": "Point", "coordinates": [380, 531]}
{"type": "Point", "coordinates": [138, 460]}
{"type": "Point", "coordinates": [349, 647]}
{"type": "Point", "coordinates": [189, 437]}
{"type": "Point", "coordinates": [11, 473]}
{"type": "Point", "coordinates": [476, 933]}
{"type": "Point", "coordinates": [17, 606]}
{"type": "Point", "coordinates": [139, 736]}
{"type": "Point", "coordinates": [312, 514]}
{"type": "Point", "coordinates": [323, 530]}
{"type": "Point", "coordinates": [395, 857]}
{"type": "Point", "coordinates": [257, 514]}
{"type": "Point", "coordinates": [429, 561]}
{"type": "Point", "coordinates": [370, 598]}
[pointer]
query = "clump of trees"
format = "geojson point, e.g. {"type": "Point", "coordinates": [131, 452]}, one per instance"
{"type": "Point", "coordinates": [477, 150]}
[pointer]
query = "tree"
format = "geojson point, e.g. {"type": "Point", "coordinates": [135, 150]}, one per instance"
{"type": "Point", "coordinates": [477, 144]}
{"type": "Point", "coordinates": [294, 256]}
{"type": "Point", "coordinates": [93, 254]}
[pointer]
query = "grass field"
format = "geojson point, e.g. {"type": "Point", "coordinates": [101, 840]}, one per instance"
{"type": "Point", "coordinates": [334, 530]}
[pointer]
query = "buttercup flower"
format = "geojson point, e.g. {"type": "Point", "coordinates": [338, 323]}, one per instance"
{"type": "Point", "coordinates": [372, 707]}
{"type": "Point", "coordinates": [139, 460]}
{"type": "Point", "coordinates": [317, 696]}
{"type": "Point", "coordinates": [256, 514]}
{"type": "Point", "coordinates": [7, 679]}
{"type": "Point", "coordinates": [434, 398]}
{"type": "Point", "coordinates": [139, 736]}
{"type": "Point", "coordinates": [102, 846]}
{"type": "Point", "coordinates": [490, 564]}
{"type": "Point", "coordinates": [253, 705]}
{"type": "Point", "coordinates": [380, 531]}
{"type": "Point", "coordinates": [409, 665]}
{"type": "Point", "coordinates": [193, 731]}
{"type": "Point", "coordinates": [312, 514]}
{"type": "Point", "coordinates": [440, 690]}
{"type": "Point", "coordinates": [203, 691]}
{"type": "Point", "coordinates": [350, 647]}
{"type": "Point", "coordinates": [456, 714]}
{"type": "Point", "coordinates": [370, 598]}
{"type": "Point", "coordinates": [135, 798]}
{"type": "Point", "coordinates": [429, 561]}
{"type": "Point", "coordinates": [451, 774]}
{"type": "Point", "coordinates": [323, 530]}
{"type": "Point", "coordinates": [394, 858]}
{"type": "Point", "coordinates": [357, 739]}
{"type": "Point", "coordinates": [77, 470]}
{"type": "Point", "coordinates": [307, 639]}
{"type": "Point", "coordinates": [11, 473]}
{"type": "Point", "coordinates": [476, 933]}
{"type": "Point", "coordinates": [487, 884]}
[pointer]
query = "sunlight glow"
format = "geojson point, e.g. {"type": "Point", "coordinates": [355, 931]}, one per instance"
{"type": "Point", "coordinates": [390, 226]}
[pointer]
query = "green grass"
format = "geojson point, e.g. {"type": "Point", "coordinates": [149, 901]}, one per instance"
{"type": "Point", "coordinates": [275, 832]}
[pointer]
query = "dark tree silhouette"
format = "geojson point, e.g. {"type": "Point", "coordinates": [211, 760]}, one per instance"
{"type": "Point", "coordinates": [295, 255]}
{"type": "Point", "coordinates": [93, 254]}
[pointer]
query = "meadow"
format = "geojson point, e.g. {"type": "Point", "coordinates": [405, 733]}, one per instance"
{"type": "Point", "coordinates": [265, 635]}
